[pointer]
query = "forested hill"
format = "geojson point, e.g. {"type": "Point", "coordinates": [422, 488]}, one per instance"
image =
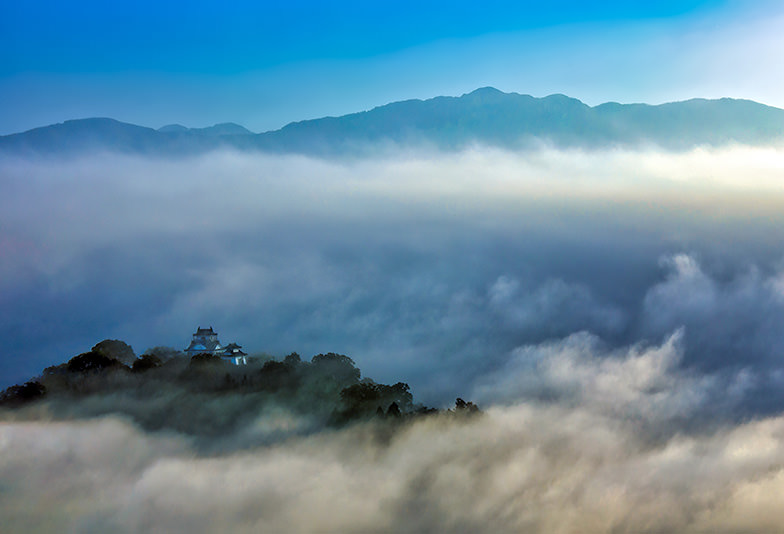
{"type": "Point", "coordinates": [205, 397]}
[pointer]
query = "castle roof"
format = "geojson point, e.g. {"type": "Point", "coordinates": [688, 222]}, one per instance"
{"type": "Point", "coordinates": [204, 331]}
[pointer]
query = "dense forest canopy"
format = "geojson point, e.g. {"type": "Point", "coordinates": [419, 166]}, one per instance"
{"type": "Point", "coordinates": [205, 396]}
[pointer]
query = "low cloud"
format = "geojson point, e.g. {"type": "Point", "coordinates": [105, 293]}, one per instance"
{"type": "Point", "coordinates": [534, 467]}
{"type": "Point", "coordinates": [423, 267]}
{"type": "Point", "coordinates": [733, 317]}
{"type": "Point", "coordinates": [616, 315]}
{"type": "Point", "coordinates": [642, 383]}
{"type": "Point", "coordinates": [562, 306]}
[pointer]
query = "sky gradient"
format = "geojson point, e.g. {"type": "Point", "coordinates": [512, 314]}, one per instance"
{"type": "Point", "coordinates": [263, 65]}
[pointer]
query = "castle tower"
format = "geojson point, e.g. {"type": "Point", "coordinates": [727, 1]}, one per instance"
{"type": "Point", "coordinates": [205, 341]}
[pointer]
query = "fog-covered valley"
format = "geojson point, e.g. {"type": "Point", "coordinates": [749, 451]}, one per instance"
{"type": "Point", "coordinates": [431, 268]}
{"type": "Point", "coordinates": [617, 314]}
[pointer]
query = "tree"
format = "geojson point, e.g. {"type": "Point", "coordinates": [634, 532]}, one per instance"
{"type": "Point", "coordinates": [393, 410]}
{"type": "Point", "coordinates": [91, 361]}
{"type": "Point", "coordinates": [275, 376]}
{"type": "Point", "coordinates": [366, 398]}
{"type": "Point", "coordinates": [117, 350]}
{"type": "Point", "coordinates": [29, 391]}
{"type": "Point", "coordinates": [338, 367]}
{"type": "Point", "coordinates": [146, 362]}
{"type": "Point", "coordinates": [360, 394]}
{"type": "Point", "coordinates": [164, 353]}
{"type": "Point", "coordinates": [464, 407]}
{"type": "Point", "coordinates": [292, 360]}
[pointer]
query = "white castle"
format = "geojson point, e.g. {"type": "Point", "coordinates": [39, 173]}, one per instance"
{"type": "Point", "coordinates": [205, 341]}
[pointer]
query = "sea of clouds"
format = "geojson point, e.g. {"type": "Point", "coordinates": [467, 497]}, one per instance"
{"type": "Point", "coordinates": [617, 314]}
{"type": "Point", "coordinates": [587, 466]}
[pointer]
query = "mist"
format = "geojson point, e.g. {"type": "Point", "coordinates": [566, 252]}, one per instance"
{"type": "Point", "coordinates": [616, 314]}
{"type": "Point", "coordinates": [605, 449]}
{"type": "Point", "coordinates": [423, 267]}
{"type": "Point", "coordinates": [531, 467]}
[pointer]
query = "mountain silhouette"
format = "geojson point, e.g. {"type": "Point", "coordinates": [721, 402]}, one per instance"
{"type": "Point", "coordinates": [485, 116]}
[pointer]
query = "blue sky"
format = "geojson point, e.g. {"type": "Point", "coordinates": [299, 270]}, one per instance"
{"type": "Point", "coordinates": [262, 64]}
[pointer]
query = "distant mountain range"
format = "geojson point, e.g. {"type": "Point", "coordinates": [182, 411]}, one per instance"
{"type": "Point", "coordinates": [485, 116]}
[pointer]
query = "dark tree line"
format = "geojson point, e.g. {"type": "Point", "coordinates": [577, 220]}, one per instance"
{"type": "Point", "coordinates": [203, 394]}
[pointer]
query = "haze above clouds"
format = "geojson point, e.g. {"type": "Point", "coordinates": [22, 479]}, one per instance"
{"type": "Point", "coordinates": [617, 314]}
{"type": "Point", "coordinates": [417, 266]}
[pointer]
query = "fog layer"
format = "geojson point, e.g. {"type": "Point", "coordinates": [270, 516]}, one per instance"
{"type": "Point", "coordinates": [422, 267]}
{"type": "Point", "coordinates": [616, 314]}
{"type": "Point", "coordinates": [526, 467]}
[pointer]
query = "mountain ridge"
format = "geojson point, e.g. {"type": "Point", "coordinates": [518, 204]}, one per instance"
{"type": "Point", "coordinates": [484, 116]}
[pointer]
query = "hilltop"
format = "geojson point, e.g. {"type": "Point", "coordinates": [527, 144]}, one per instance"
{"type": "Point", "coordinates": [206, 397]}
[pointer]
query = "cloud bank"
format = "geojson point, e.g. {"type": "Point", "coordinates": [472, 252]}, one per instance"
{"type": "Point", "coordinates": [617, 315]}
{"type": "Point", "coordinates": [423, 267]}
{"type": "Point", "coordinates": [575, 462]}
